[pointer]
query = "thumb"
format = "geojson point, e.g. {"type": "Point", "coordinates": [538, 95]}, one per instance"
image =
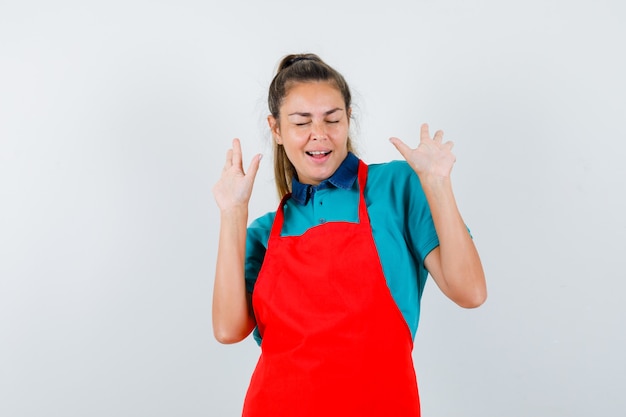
{"type": "Point", "coordinates": [402, 147]}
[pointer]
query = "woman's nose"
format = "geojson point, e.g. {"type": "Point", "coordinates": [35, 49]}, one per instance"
{"type": "Point", "coordinates": [318, 131]}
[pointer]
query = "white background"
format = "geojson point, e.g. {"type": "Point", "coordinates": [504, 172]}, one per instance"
{"type": "Point", "coordinates": [114, 120]}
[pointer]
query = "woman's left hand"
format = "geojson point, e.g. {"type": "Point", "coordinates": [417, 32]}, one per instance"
{"type": "Point", "coordinates": [454, 264]}
{"type": "Point", "coordinates": [432, 157]}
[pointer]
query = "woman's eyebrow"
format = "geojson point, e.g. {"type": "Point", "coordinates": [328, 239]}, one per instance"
{"type": "Point", "coordinates": [305, 114]}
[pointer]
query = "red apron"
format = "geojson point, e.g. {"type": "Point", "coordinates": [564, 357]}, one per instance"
{"type": "Point", "coordinates": [334, 341]}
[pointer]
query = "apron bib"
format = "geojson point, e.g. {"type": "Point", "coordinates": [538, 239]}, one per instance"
{"type": "Point", "coordinates": [334, 341]}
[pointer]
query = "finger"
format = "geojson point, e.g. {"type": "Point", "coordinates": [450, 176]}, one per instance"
{"type": "Point", "coordinates": [402, 147]}
{"type": "Point", "coordinates": [438, 136]}
{"type": "Point", "coordinates": [424, 134]}
{"type": "Point", "coordinates": [254, 166]}
{"type": "Point", "coordinates": [229, 159]}
{"type": "Point", "coordinates": [449, 145]}
{"type": "Point", "coordinates": [237, 158]}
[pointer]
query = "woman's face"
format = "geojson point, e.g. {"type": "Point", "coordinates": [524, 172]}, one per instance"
{"type": "Point", "coordinates": [313, 128]}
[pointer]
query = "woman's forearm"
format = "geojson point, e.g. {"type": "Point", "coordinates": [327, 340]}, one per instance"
{"type": "Point", "coordinates": [456, 262]}
{"type": "Point", "coordinates": [233, 319]}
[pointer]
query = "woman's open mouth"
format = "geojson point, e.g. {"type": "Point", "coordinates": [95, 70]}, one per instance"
{"type": "Point", "coordinates": [318, 154]}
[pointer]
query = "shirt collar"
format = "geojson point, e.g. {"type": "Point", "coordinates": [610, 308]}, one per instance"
{"type": "Point", "coordinates": [343, 178]}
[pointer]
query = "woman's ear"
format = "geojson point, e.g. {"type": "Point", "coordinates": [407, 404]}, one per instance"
{"type": "Point", "coordinates": [274, 128]}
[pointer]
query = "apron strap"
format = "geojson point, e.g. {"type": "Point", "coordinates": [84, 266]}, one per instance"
{"type": "Point", "coordinates": [277, 227]}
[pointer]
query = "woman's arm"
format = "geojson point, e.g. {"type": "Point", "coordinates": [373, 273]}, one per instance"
{"type": "Point", "coordinates": [454, 264]}
{"type": "Point", "coordinates": [233, 317]}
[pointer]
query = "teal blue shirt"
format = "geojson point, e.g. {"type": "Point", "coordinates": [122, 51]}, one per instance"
{"type": "Point", "coordinates": [400, 218]}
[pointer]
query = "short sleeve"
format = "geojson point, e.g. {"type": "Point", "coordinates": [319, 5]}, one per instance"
{"type": "Point", "coordinates": [420, 229]}
{"type": "Point", "coordinates": [399, 204]}
{"type": "Point", "coordinates": [256, 246]}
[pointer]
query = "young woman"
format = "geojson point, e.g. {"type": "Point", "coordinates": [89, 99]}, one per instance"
{"type": "Point", "coordinates": [331, 282]}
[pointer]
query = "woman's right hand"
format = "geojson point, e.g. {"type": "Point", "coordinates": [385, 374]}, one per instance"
{"type": "Point", "coordinates": [234, 187]}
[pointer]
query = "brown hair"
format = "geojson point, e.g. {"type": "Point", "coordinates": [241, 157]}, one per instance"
{"type": "Point", "coordinates": [298, 68]}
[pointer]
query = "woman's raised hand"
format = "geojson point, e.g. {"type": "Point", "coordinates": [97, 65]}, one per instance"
{"type": "Point", "coordinates": [234, 187]}
{"type": "Point", "coordinates": [432, 158]}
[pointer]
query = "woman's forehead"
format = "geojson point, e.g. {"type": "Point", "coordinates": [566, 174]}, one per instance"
{"type": "Point", "coordinates": [305, 97]}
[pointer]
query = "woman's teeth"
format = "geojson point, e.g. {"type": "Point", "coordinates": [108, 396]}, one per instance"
{"type": "Point", "coordinates": [318, 153]}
